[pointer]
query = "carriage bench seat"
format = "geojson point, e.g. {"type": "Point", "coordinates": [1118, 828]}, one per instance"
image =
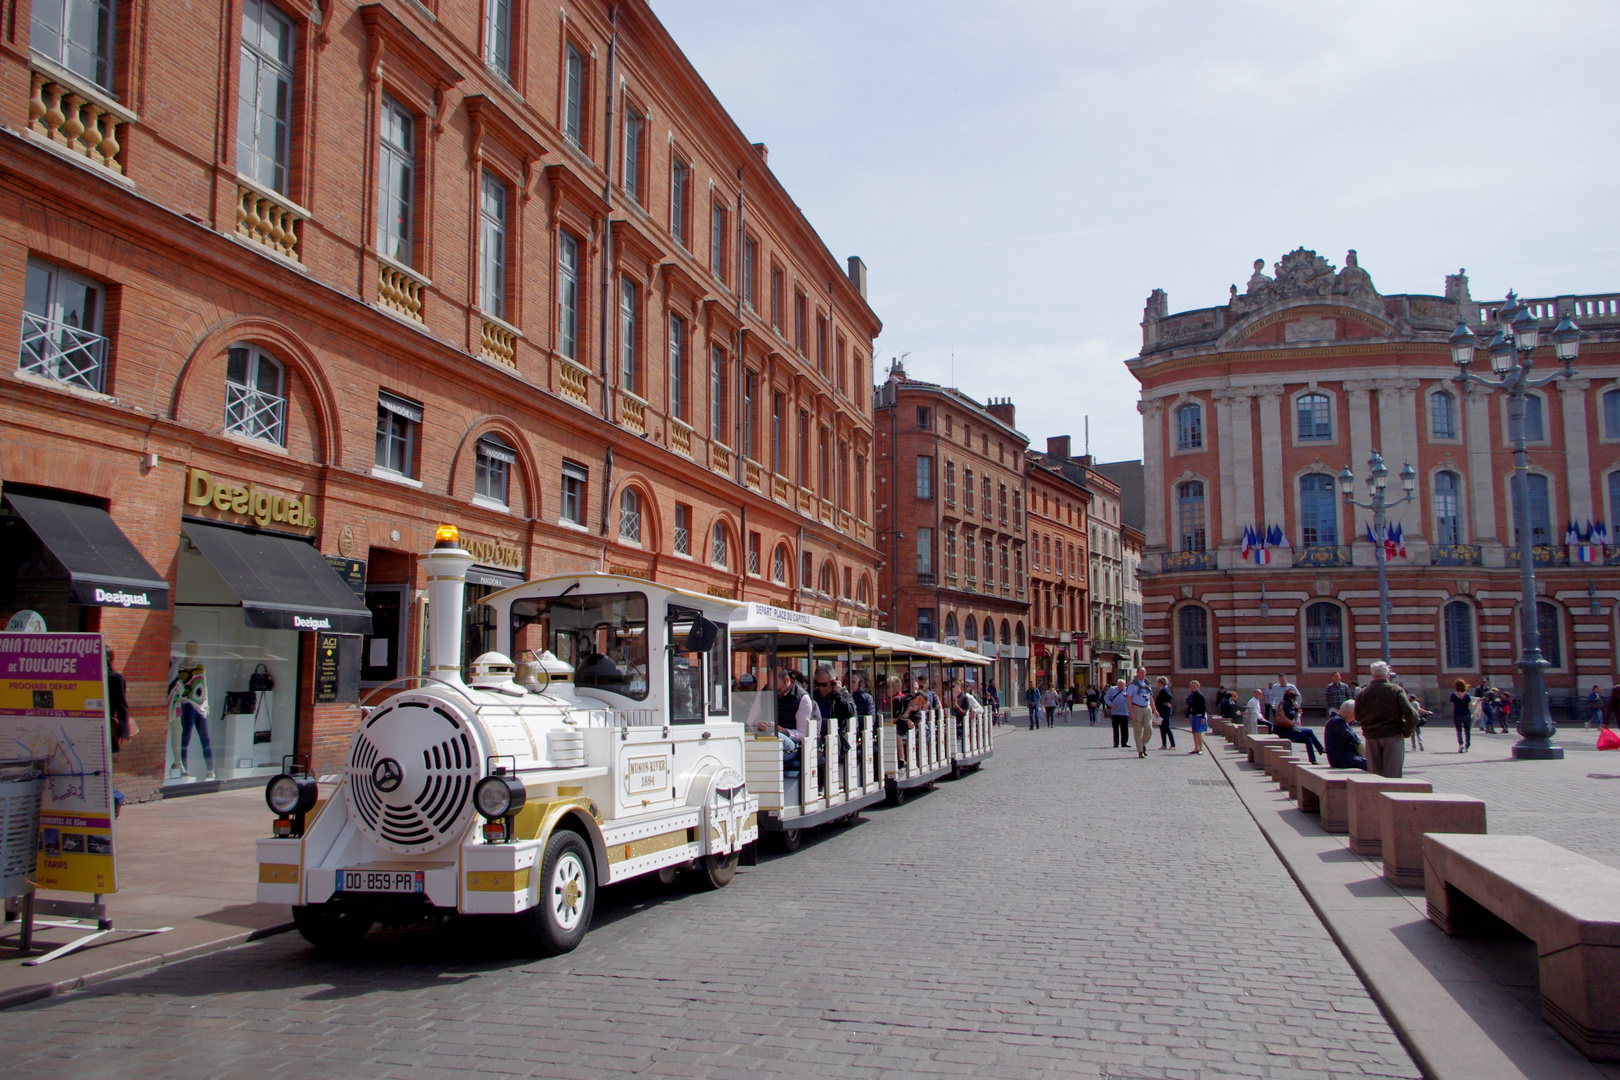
{"type": "Point", "coordinates": [1491, 885]}
{"type": "Point", "coordinates": [1322, 791]}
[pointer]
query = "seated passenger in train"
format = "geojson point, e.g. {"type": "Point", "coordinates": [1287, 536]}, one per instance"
{"type": "Point", "coordinates": [834, 703]}
{"type": "Point", "coordinates": [793, 711]}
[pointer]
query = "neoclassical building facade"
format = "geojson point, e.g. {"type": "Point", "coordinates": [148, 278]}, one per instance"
{"type": "Point", "coordinates": [1254, 565]}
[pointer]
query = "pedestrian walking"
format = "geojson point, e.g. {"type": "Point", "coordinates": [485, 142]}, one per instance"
{"type": "Point", "coordinates": [1032, 700]}
{"type": "Point", "coordinates": [1070, 700]}
{"type": "Point", "coordinates": [1164, 703]}
{"type": "Point", "coordinates": [1049, 702]}
{"type": "Point", "coordinates": [1092, 700]}
{"type": "Point", "coordinates": [1387, 718]}
{"type": "Point", "coordinates": [1462, 709]}
{"type": "Point", "coordinates": [1336, 693]}
{"type": "Point", "coordinates": [1118, 701]}
{"type": "Point", "coordinates": [1274, 695]}
{"type": "Point", "coordinates": [1141, 695]}
{"type": "Point", "coordinates": [1423, 718]}
{"type": "Point", "coordinates": [1197, 716]}
{"type": "Point", "coordinates": [1594, 707]}
{"type": "Point", "coordinates": [122, 728]}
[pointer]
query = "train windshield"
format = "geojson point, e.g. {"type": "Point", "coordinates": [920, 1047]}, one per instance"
{"type": "Point", "coordinates": [604, 637]}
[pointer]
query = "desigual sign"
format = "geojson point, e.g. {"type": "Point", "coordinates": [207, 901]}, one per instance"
{"type": "Point", "coordinates": [265, 507]}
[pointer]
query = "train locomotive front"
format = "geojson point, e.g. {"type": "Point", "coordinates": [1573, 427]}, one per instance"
{"type": "Point", "coordinates": [523, 798]}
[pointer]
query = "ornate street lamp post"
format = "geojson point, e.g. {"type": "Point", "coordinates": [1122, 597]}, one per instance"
{"type": "Point", "coordinates": [1379, 504]}
{"type": "Point", "coordinates": [1518, 333]}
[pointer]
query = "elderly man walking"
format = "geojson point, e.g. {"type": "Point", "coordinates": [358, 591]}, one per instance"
{"type": "Point", "coordinates": [1140, 693]}
{"type": "Point", "coordinates": [1388, 718]}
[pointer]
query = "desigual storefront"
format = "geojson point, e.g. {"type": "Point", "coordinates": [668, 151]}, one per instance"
{"type": "Point", "coordinates": [263, 626]}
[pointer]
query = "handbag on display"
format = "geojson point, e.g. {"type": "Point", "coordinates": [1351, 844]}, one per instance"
{"type": "Point", "coordinates": [261, 680]}
{"type": "Point", "coordinates": [241, 702]}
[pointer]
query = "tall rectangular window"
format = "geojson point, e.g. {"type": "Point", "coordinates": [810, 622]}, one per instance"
{"type": "Point", "coordinates": [925, 418]}
{"type": "Point", "coordinates": [683, 529]}
{"type": "Point", "coordinates": [493, 470]}
{"type": "Point", "coordinates": [717, 393]}
{"type": "Point", "coordinates": [61, 327]}
{"type": "Point", "coordinates": [750, 382]}
{"type": "Point", "coordinates": [925, 478]}
{"type": "Point", "coordinates": [717, 240]}
{"type": "Point", "coordinates": [677, 368]}
{"type": "Point", "coordinates": [925, 551]}
{"type": "Point", "coordinates": [1190, 515]}
{"type": "Point", "coordinates": [1535, 424]}
{"type": "Point", "coordinates": [1318, 511]}
{"type": "Point", "coordinates": [750, 272]}
{"type": "Point", "coordinates": [776, 298]}
{"type": "Point", "coordinates": [1540, 509]}
{"type": "Point", "coordinates": [842, 366]}
{"type": "Point", "coordinates": [967, 491]}
{"type": "Point", "coordinates": [821, 343]}
{"type": "Point", "coordinates": [77, 35]}
{"type": "Point", "coordinates": [823, 463]}
{"type": "Point", "coordinates": [635, 126]}
{"type": "Point", "coordinates": [1447, 508]}
{"type": "Point", "coordinates": [498, 37]}
{"type": "Point", "coordinates": [397, 181]}
{"type": "Point", "coordinates": [1442, 415]}
{"type": "Point", "coordinates": [753, 553]}
{"type": "Point", "coordinates": [568, 295]}
{"type": "Point", "coordinates": [804, 448]}
{"type": "Point", "coordinates": [627, 335]}
{"type": "Point", "coordinates": [925, 624]}
{"type": "Point", "coordinates": [860, 488]}
{"type": "Point", "coordinates": [398, 423]}
{"type": "Point", "coordinates": [777, 409]}
{"type": "Point", "coordinates": [800, 309]}
{"type": "Point", "coordinates": [574, 478]}
{"type": "Point", "coordinates": [264, 92]}
{"type": "Point", "coordinates": [573, 95]}
{"type": "Point", "coordinates": [1459, 631]}
{"type": "Point", "coordinates": [492, 246]}
{"type": "Point", "coordinates": [1324, 636]}
{"type": "Point", "coordinates": [680, 185]}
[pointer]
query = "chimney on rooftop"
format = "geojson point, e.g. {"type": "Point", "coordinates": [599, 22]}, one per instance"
{"type": "Point", "coordinates": [1057, 446]}
{"type": "Point", "coordinates": [1001, 409]}
{"type": "Point", "coordinates": [764, 153]}
{"type": "Point", "coordinates": [857, 275]}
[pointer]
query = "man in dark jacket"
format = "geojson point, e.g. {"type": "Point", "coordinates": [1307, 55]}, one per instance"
{"type": "Point", "coordinates": [1388, 719]}
{"type": "Point", "coordinates": [1343, 751]}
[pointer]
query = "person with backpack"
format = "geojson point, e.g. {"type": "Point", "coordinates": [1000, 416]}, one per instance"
{"type": "Point", "coordinates": [1093, 699]}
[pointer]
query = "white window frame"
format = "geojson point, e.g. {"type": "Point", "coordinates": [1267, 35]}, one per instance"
{"type": "Point", "coordinates": [250, 410]}
{"type": "Point", "coordinates": [720, 546]}
{"type": "Point", "coordinates": [635, 145]}
{"type": "Point", "coordinates": [1194, 440]}
{"type": "Point", "coordinates": [572, 488]}
{"type": "Point", "coordinates": [1456, 416]}
{"type": "Point", "coordinates": [629, 318]}
{"type": "Point", "coordinates": [50, 36]}
{"type": "Point", "coordinates": [683, 530]}
{"type": "Point", "coordinates": [573, 98]}
{"type": "Point", "coordinates": [492, 471]}
{"type": "Point", "coordinates": [1435, 502]}
{"type": "Point", "coordinates": [264, 95]}
{"type": "Point", "coordinates": [493, 203]}
{"type": "Point", "coordinates": [1332, 437]}
{"type": "Point", "coordinates": [399, 425]}
{"type": "Point", "coordinates": [58, 342]}
{"type": "Point", "coordinates": [498, 37]}
{"type": "Point", "coordinates": [396, 181]}
{"type": "Point", "coordinates": [630, 516]}
{"type": "Point", "coordinates": [568, 295]}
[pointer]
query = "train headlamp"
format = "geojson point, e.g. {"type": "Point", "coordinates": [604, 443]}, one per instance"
{"type": "Point", "coordinates": [500, 795]}
{"type": "Point", "coordinates": [288, 795]}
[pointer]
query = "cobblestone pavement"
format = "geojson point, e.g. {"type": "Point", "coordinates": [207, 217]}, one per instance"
{"type": "Point", "coordinates": [1071, 911]}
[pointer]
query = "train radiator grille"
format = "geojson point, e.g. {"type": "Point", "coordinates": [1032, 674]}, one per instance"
{"type": "Point", "coordinates": [411, 773]}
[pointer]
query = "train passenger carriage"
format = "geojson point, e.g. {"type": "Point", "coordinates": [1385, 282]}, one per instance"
{"type": "Point", "coordinates": [609, 753]}
{"type": "Point", "coordinates": [837, 770]}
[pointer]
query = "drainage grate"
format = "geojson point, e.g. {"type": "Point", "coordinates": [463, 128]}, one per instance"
{"type": "Point", "coordinates": [1208, 783]}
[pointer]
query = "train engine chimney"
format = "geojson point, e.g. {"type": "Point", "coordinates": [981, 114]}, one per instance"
{"type": "Point", "coordinates": [447, 567]}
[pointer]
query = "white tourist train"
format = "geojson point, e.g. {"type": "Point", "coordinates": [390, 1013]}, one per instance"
{"type": "Point", "coordinates": [637, 736]}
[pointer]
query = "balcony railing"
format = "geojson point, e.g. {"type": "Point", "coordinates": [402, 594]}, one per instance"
{"type": "Point", "coordinates": [925, 580]}
{"type": "Point", "coordinates": [269, 219]}
{"type": "Point", "coordinates": [1322, 555]}
{"type": "Point", "coordinates": [255, 414]}
{"type": "Point", "coordinates": [1542, 555]}
{"type": "Point", "coordinates": [753, 475]}
{"type": "Point", "coordinates": [1181, 561]}
{"type": "Point", "coordinates": [498, 342]}
{"type": "Point", "coordinates": [1455, 555]}
{"type": "Point", "coordinates": [781, 490]}
{"type": "Point", "coordinates": [400, 288]}
{"type": "Point", "coordinates": [62, 352]}
{"type": "Point", "coordinates": [680, 437]}
{"type": "Point", "coordinates": [720, 457]}
{"type": "Point", "coordinates": [863, 532]}
{"type": "Point", "coordinates": [575, 382]}
{"type": "Point", "coordinates": [70, 112]}
{"type": "Point", "coordinates": [632, 412]}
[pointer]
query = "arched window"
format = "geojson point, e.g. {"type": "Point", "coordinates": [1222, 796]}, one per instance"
{"type": "Point", "coordinates": [970, 632]}
{"type": "Point", "coordinates": [1324, 636]}
{"type": "Point", "coordinates": [630, 516]}
{"type": "Point", "coordinates": [950, 624]}
{"type": "Point", "coordinates": [1315, 413]}
{"type": "Point", "coordinates": [1192, 637]}
{"type": "Point", "coordinates": [779, 564]}
{"type": "Point", "coordinates": [1442, 415]}
{"type": "Point", "coordinates": [1018, 635]}
{"type": "Point", "coordinates": [1550, 626]}
{"type": "Point", "coordinates": [1447, 508]}
{"type": "Point", "coordinates": [255, 397]}
{"type": "Point", "coordinates": [1611, 414]}
{"type": "Point", "coordinates": [493, 471]}
{"type": "Point", "coordinates": [1540, 509]}
{"type": "Point", "coordinates": [1318, 511]}
{"type": "Point", "coordinates": [1006, 632]}
{"type": "Point", "coordinates": [1190, 514]}
{"type": "Point", "coordinates": [806, 570]}
{"type": "Point", "coordinates": [1190, 427]}
{"type": "Point", "coordinates": [1458, 630]}
{"type": "Point", "coordinates": [863, 592]}
{"type": "Point", "coordinates": [721, 554]}
{"type": "Point", "coordinates": [826, 585]}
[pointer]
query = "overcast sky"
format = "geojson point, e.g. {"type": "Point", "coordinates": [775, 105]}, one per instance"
{"type": "Point", "coordinates": [1020, 175]}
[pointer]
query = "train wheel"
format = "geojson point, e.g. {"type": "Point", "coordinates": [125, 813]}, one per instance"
{"type": "Point", "coordinates": [718, 870]}
{"type": "Point", "coordinates": [789, 839]}
{"type": "Point", "coordinates": [558, 922]}
{"type": "Point", "coordinates": [330, 927]}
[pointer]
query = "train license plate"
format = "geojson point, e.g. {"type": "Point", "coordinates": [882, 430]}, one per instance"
{"type": "Point", "coordinates": [380, 881]}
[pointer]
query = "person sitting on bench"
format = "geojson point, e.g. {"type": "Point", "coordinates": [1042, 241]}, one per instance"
{"type": "Point", "coordinates": [1343, 748]}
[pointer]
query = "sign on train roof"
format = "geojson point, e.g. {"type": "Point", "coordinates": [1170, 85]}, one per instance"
{"type": "Point", "coordinates": [769, 613]}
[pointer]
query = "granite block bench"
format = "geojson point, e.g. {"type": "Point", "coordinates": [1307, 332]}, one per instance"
{"type": "Point", "coordinates": [1322, 791]}
{"type": "Point", "coordinates": [1406, 815]}
{"type": "Point", "coordinates": [1254, 744]}
{"type": "Point", "coordinates": [1364, 811]}
{"type": "Point", "coordinates": [1564, 902]}
{"type": "Point", "coordinates": [1271, 758]}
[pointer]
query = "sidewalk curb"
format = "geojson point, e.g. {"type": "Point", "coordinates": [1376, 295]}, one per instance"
{"type": "Point", "coordinates": [25, 995]}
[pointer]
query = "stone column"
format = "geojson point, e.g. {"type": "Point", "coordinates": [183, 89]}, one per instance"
{"type": "Point", "coordinates": [1577, 455]}
{"type": "Point", "coordinates": [1479, 440]}
{"type": "Point", "coordinates": [1242, 409]}
{"type": "Point", "coordinates": [1153, 494]}
{"type": "Point", "coordinates": [1229, 529]}
{"type": "Point", "coordinates": [1272, 435]}
{"type": "Point", "coordinates": [1360, 394]}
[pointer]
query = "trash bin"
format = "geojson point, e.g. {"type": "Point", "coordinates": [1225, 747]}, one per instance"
{"type": "Point", "coordinates": [20, 791]}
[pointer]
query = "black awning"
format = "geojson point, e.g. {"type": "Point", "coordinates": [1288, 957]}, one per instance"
{"type": "Point", "coordinates": [283, 582]}
{"type": "Point", "coordinates": [105, 568]}
{"type": "Point", "coordinates": [489, 575]}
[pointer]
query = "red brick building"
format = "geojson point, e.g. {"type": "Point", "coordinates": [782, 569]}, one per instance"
{"type": "Point", "coordinates": [1250, 411]}
{"type": "Point", "coordinates": [950, 507]}
{"type": "Point", "coordinates": [394, 264]}
{"type": "Point", "coordinates": [1058, 564]}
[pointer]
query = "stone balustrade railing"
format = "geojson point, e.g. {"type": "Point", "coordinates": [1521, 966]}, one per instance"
{"type": "Point", "coordinates": [268, 219]}
{"type": "Point", "coordinates": [575, 382]}
{"type": "Point", "coordinates": [632, 412]}
{"type": "Point", "coordinates": [680, 438]}
{"type": "Point", "coordinates": [400, 289]}
{"type": "Point", "coordinates": [498, 342]}
{"type": "Point", "coordinates": [72, 113]}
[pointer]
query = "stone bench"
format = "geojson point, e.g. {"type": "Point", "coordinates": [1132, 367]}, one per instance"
{"type": "Point", "coordinates": [1272, 756]}
{"type": "Point", "coordinates": [1406, 815]}
{"type": "Point", "coordinates": [1564, 902]}
{"type": "Point", "coordinates": [1254, 744]}
{"type": "Point", "coordinates": [1322, 791]}
{"type": "Point", "coordinates": [1364, 811]}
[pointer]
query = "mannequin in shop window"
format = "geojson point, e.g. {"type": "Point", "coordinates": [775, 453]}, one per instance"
{"type": "Point", "coordinates": [188, 709]}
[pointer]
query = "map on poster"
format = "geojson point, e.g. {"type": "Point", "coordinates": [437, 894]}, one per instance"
{"type": "Point", "coordinates": [53, 708]}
